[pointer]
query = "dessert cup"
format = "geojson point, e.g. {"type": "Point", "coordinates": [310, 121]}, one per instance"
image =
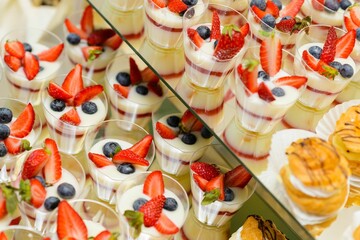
{"type": "Point", "coordinates": [201, 66]}
{"type": "Point", "coordinates": [132, 189]}
{"type": "Point", "coordinates": [108, 178]}
{"type": "Point", "coordinates": [21, 232]}
{"type": "Point", "coordinates": [70, 137]}
{"type": "Point", "coordinates": [19, 84]}
{"type": "Point", "coordinates": [133, 106]}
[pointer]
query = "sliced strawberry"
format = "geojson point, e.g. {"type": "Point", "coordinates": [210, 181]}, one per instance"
{"type": "Point", "coordinates": [318, 4]}
{"type": "Point", "coordinates": [294, 81]}
{"type": "Point", "coordinates": [345, 44]}
{"type": "Point", "coordinates": [52, 170]}
{"type": "Point", "coordinates": [326, 70]}
{"type": "Point", "coordinates": [265, 93]}
{"type": "Point", "coordinates": [87, 94]}
{"type": "Point", "coordinates": [114, 42]}
{"type": "Point", "coordinates": [230, 43]}
{"type": "Point", "coordinates": [34, 163]}
{"type": "Point", "coordinates": [155, 88]}
{"type": "Point", "coordinates": [135, 73]}
{"type": "Point", "coordinates": [160, 3]}
{"type": "Point", "coordinates": [165, 226]}
{"type": "Point", "coordinates": [71, 117]}
{"type": "Point", "coordinates": [152, 210]}
{"type": "Point", "coordinates": [69, 223]}
{"type": "Point", "coordinates": [154, 184]}
{"type": "Point", "coordinates": [87, 20]}
{"type": "Point", "coordinates": [31, 66]}
{"type": "Point", "coordinates": [91, 53]}
{"type": "Point", "coordinates": [122, 90]}
{"type": "Point", "coordinates": [349, 24]}
{"type": "Point", "coordinates": [195, 37]}
{"type": "Point", "coordinates": [237, 177]}
{"type": "Point", "coordinates": [24, 123]}
{"type": "Point", "coordinates": [73, 82]}
{"type": "Point", "coordinates": [148, 75]}
{"type": "Point", "coordinates": [15, 49]}
{"type": "Point", "coordinates": [292, 9]}
{"type": "Point", "coordinates": [51, 54]}
{"type": "Point", "coordinates": [248, 72]}
{"type": "Point", "coordinates": [271, 55]}
{"type": "Point", "coordinates": [58, 92]}
{"type": "Point", "coordinates": [205, 170]}
{"type": "Point", "coordinates": [286, 25]}
{"type": "Point", "coordinates": [142, 147]}
{"type": "Point", "coordinates": [128, 156]}
{"type": "Point", "coordinates": [98, 37]}
{"type": "Point", "coordinates": [73, 29]}
{"type": "Point", "coordinates": [104, 235]}
{"type": "Point", "coordinates": [217, 183]}
{"type": "Point", "coordinates": [164, 131]}
{"type": "Point", "coordinates": [16, 145]}
{"type": "Point", "coordinates": [215, 26]}
{"type": "Point", "coordinates": [310, 60]}
{"type": "Point", "coordinates": [328, 52]}
{"type": "Point", "coordinates": [177, 6]}
{"type": "Point", "coordinates": [38, 193]}
{"type": "Point", "coordinates": [245, 29]}
{"type": "Point", "coordinates": [259, 14]}
{"type": "Point", "coordinates": [355, 15]}
{"type": "Point", "coordinates": [272, 9]}
{"type": "Point", "coordinates": [189, 122]}
{"type": "Point", "coordinates": [201, 182]}
{"type": "Point", "coordinates": [13, 63]}
{"type": "Point", "coordinates": [99, 160]}
{"type": "Point", "coordinates": [3, 211]}
{"type": "Point", "coordinates": [3, 236]}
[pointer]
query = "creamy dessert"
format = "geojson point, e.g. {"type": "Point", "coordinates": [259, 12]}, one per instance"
{"type": "Point", "coordinates": [179, 140]}
{"type": "Point", "coordinates": [71, 105]}
{"type": "Point", "coordinates": [237, 5]}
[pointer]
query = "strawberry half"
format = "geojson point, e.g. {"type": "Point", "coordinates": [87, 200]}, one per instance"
{"type": "Point", "coordinates": [135, 73]}
{"type": "Point", "coordinates": [205, 170]}
{"type": "Point", "coordinates": [195, 37]}
{"type": "Point", "coordinates": [38, 193]}
{"type": "Point", "coordinates": [310, 60]}
{"type": "Point", "coordinates": [73, 82]}
{"type": "Point", "coordinates": [237, 177]}
{"type": "Point", "coordinates": [165, 226]}
{"type": "Point", "coordinates": [58, 92]}
{"type": "Point", "coordinates": [114, 42]}
{"type": "Point", "coordinates": [34, 163]}
{"type": "Point", "coordinates": [349, 24]}
{"type": "Point", "coordinates": [152, 210]}
{"type": "Point", "coordinates": [87, 20]}
{"type": "Point", "coordinates": [16, 145]}
{"type": "Point", "coordinates": [271, 55]}
{"type": "Point", "coordinates": [245, 29]}
{"type": "Point", "coordinates": [52, 170]}
{"type": "Point", "coordinates": [51, 54]}
{"type": "Point", "coordinates": [104, 235]}
{"type": "Point", "coordinates": [164, 131]}
{"type": "Point", "coordinates": [3, 210]}
{"type": "Point", "coordinates": [91, 53]}
{"type": "Point", "coordinates": [326, 70]}
{"type": "Point", "coordinates": [292, 9]}
{"type": "Point", "coordinates": [71, 117]}
{"type": "Point", "coordinates": [15, 49]}
{"type": "Point", "coordinates": [69, 223]}
{"type": "Point", "coordinates": [272, 9]}
{"type": "Point", "coordinates": [13, 63]}
{"type": "Point", "coordinates": [160, 3]}
{"type": "Point", "coordinates": [345, 44]}
{"type": "Point", "coordinates": [154, 184]}
{"type": "Point", "coordinates": [99, 160]}
{"type": "Point", "coordinates": [215, 32]}
{"type": "Point", "coordinates": [265, 93]}
{"type": "Point", "coordinates": [217, 183]}
{"type": "Point", "coordinates": [328, 52]}
{"type": "Point", "coordinates": [294, 81]}
{"type": "Point", "coordinates": [141, 148]}
{"type": "Point", "coordinates": [355, 15]}
{"type": "Point", "coordinates": [24, 123]}
{"type": "Point", "coordinates": [189, 122]}
{"type": "Point", "coordinates": [98, 37]}
{"type": "Point", "coordinates": [148, 75]}
{"type": "Point", "coordinates": [122, 90]}
{"type": "Point", "coordinates": [201, 182]}
{"type": "Point", "coordinates": [128, 156]}
{"type": "Point", "coordinates": [73, 29]}
{"type": "Point", "coordinates": [318, 4]}
{"type": "Point", "coordinates": [177, 6]}
{"type": "Point", "coordinates": [3, 236]}
{"type": "Point", "coordinates": [286, 25]}
{"type": "Point", "coordinates": [248, 72]}
{"type": "Point", "coordinates": [259, 14]}
{"type": "Point", "coordinates": [31, 66]}
{"type": "Point", "coordinates": [155, 87]}
{"type": "Point", "coordinates": [87, 94]}
{"type": "Point", "coordinates": [230, 43]}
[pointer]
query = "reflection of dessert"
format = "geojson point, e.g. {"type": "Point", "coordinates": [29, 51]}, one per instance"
{"type": "Point", "coordinates": [9, 215]}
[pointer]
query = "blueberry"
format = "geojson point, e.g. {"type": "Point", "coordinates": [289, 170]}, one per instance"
{"type": "Point", "coordinates": [41, 180]}
{"type": "Point", "coordinates": [215, 43]}
{"type": "Point", "coordinates": [3, 150]}
{"type": "Point", "coordinates": [286, 18]}
{"type": "Point", "coordinates": [123, 78]}
{"type": "Point", "coordinates": [278, 91]}
{"type": "Point", "coordinates": [203, 31]}
{"type": "Point", "coordinates": [263, 75]}
{"type": "Point", "coordinates": [315, 51]}
{"type": "Point", "coordinates": [41, 68]}
{"type": "Point", "coordinates": [57, 105]}
{"type": "Point", "coordinates": [190, 2]}
{"type": "Point", "coordinates": [138, 203]}
{"type": "Point", "coordinates": [170, 204]}
{"type": "Point", "coordinates": [27, 47]}
{"type": "Point", "coordinates": [278, 4]}
{"type": "Point", "coordinates": [51, 203]}
{"type": "Point", "coordinates": [142, 90]}
{"type": "Point", "coordinates": [66, 190]}
{"type": "Point", "coordinates": [89, 107]}
{"type": "Point", "coordinates": [335, 65]}
{"type": "Point", "coordinates": [73, 38]}
{"type": "Point", "coordinates": [173, 121]}
{"type": "Point", "coordinates": [110, 149]}
{"type": "Point", "coordinates": [259, 3]}
{"type": "Point", "coordinates": [229, 195]}
{"type": "Point", "coordinates": [268, 22]}
{"type": "Point", "coordinates": [344, 4]}
{"type": "Point", "coordinates": [205, 133]}
{"type": "Point", "coordinates": [5, 115]}
{"type": "Point", "coordinates": [188, 138]}
{"type": "Point", "coordinates": [126, 168]}
{"type": "Point", "coordinates": [332, 5]}
{"type": "Point", "coordinates": [358, 34]}
{"type": "Point", "coordinates": [346, 71]}
{"type": "Point", "coordinates": [4, 131]}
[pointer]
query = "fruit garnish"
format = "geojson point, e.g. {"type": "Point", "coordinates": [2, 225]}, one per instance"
{"type": "Point", "coordinates": [3, 210]}
{"type": "Point", "coordinates": [271, 55]}
{"type": "Point", "coordinates": [177, 6]}
{"type": "Point", "coordinates": [73, 82]}
{"type": "Point", "coordinates": [215, 32]}
{"type": "Point", "coordinates": [286, 25]}
{"type": "Point", "coordinates": [16, 145]}
{"type": "Point", "coordinates": [88, 93]}
{"type": "Point", "coordinates": [237, 177]}
{"type": "Point", "coordinates": [98, 37]}
{"type": "Point", "coordinates": [114, 42]}
{"type": "Point", "coordinates": [34, 163]}
{"type": "Point", "coordinates": [349, 24]}
{"type": "Point", "coordinates": [13, 63]}
{"type": "Point", "coordinates": [51, 54]}
{"type": "Point", "coordinates": [195, 37]}
{"type": "Point", "coordinates": [345, 44]}
{"type": "Point", "coordinates": [201, 182]}
{"type": "Point", "coordinates": [87, 20]}
{"type": "Point", "coordinates": [142, 147]}
{"type": "Point", "coordinates": [230, 42]}
{"type": "Point", "coordinates": [189, 122]}
{"type": "Point", "coordinates": [154, 184]}
{"type": "Point", "coordinates": [71, 117]}
{"type": "Point", "coordinates": [38, 193]}
{"type": "Point", "coordinates": [122, 90]}
{"type": "Point", "coordinates": [24, 123]}
{"type": "Point", "coordinates": [155, 88]}
{"type": "Point", "coordinates": [3, 236]}
{"type": "Point", "coordinates": [164, 131]}
{"type": "Point", "coordinates": [58, 92]}
{"type": "Point", "coordinates": [214, 190]}
{"type": "Point", "coordinates": [106, 235]}
{"type": "Point", "coordinates": [69, 223]}
{"type": "Point", "coordinates": [9, 199]}
{"type": "Point", "coordinates": [292, 9]}
{"type": "Point", "coordinates": [265, 93]}
{"type": "Point", "coordinates": [328, 52]}
{"type": "Point", "coordinates": [205, 170]}
{"type": "Point", "coordinates": [326, 70]}
{"type": "Point", "coordinates": [128, 156]}
{"type": "Point", "coordinates": [152, 210]}
{"type": "Point", "coordinates": [91, 53]}
{"type": "Point", "coordinates": [73, 29]}
{"type": "Point", "coordinates": [160, 3]}
{"type": "Point", "coordinates": [318, 4]}
{"type": "Point", "coordinates": [355, 15]}
{"type": "Point", "coordinates": [294, 81]}
{"type": "Point", "coordinates": [248, 71]}
{"type": "Point", "coordinates": [99, 160]}
{"type": "Point", "coordinates": [310, 60]}
{"type": "Point", "coordinates": [135, 74]}
{"type": "Point", "coordinates": [15, 48]}
{"type": "Point", "coordinates": [245, 29]}
{"type": "Point", "coordinates": [52, 170]}
{"type": "Point", "coordinates": [31, 66]}
{"type": "Point", "coordinates": [165, 226]}
{"type": "Point", "coordinates": [272, 9]}
{"type": "Point", "coordinates": [148, 75]}
{"type": "Point", "coordinates": [258, 12]}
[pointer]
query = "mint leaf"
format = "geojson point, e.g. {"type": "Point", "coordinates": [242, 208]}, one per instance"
{"type": "Point", "coordinates": [10, 197]}
{"type": "Point", "coordinates": [135, 220]}
{"type": "Point", "coordinates": [25, 190]}
{"type": "Point", "coordinates": [210, 197]}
